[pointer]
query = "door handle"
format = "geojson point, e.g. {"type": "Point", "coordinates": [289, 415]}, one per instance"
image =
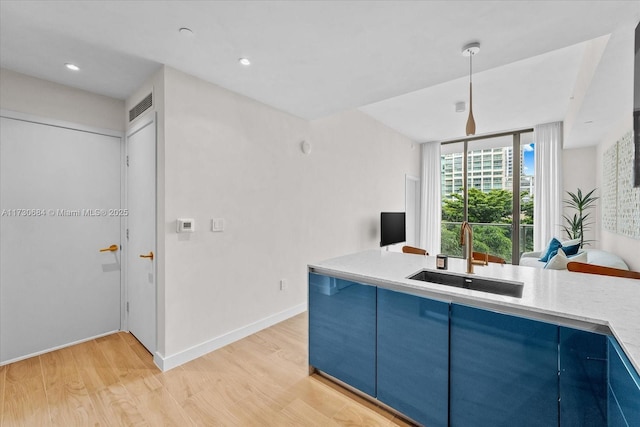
{"type": "Point", "coordinates": [111, 248]}
{"type": "Point", "coordinates": [148, 256]}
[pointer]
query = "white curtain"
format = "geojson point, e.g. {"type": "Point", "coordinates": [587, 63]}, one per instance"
{"type": "Point", "coordinates": [548, 191]}
{"type": "Point", "coordinates": [430, 204]}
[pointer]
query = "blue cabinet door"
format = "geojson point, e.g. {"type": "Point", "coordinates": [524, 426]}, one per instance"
{"type": "Point", "coordinates": [342, 330]}
{"type": "Point", "coordinates": [503, 370]}
{"type": "Point", "coordinates": [583, 378]}
{"type": "Point", "coordinates": [624, 389]}
{"type": "Point", "coordinates": [413, 356]}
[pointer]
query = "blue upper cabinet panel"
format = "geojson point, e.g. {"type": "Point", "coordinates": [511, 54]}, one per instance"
{"type": "Point", "coordinates": [413, 356]}
{"type": "Point", "coordinates": [624, 389]}
{"type": "Point", "coordinates": [503, 370]}
{"type": "Point", "coordinates": [583, 378]}
{"type": "Point", "coordinates": [342, 330]}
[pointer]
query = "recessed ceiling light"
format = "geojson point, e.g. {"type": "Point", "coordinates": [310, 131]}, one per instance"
{"type": "Point", "coordinates": [186, 31]}
{"type": "Point", "coordinates": [72, 67]}
{"type": "Point", "coordinates": [244, 61]}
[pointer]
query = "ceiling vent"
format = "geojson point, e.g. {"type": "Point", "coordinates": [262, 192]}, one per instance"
{"type": "Point", "coordinates": [142, 106]}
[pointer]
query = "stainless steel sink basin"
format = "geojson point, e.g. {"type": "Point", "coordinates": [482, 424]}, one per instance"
{"type": "Point", "coordinates": [483, 284]}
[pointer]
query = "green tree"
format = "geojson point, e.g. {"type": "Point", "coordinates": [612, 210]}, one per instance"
{"type": "Point", "coordinates": [493, 240]}
{"type": "Point", "coordinates": [491, 207]}
{"type": "Point", "coordinates": [453, 208]}
{"type": "Point", "coordinates": [526, 207]}
{"type": "Point", "coordinates": [450, 240]}
{"type": "Point", "coordinates": [494, 207]}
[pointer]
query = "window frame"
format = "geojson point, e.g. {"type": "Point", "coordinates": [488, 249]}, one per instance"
{"type": "Point", "coordinates": [516, 172]}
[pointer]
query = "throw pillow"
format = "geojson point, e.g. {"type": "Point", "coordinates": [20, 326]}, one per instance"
{"type": "Point", "coordinates": [554, 245]}
{"type": "Point", "coordinates": [571, 247]}
{"type": "Point", "coordinates": [560, 260]}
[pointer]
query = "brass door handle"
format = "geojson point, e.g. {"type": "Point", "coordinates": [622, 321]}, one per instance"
{"type": "Point", "coordinates": [111, 248]}
{"type": "Point", "coordinates": [148, 256]}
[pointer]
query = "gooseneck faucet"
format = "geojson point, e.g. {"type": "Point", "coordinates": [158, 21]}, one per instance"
{"type": "Point", "coordinates": [466, 236]}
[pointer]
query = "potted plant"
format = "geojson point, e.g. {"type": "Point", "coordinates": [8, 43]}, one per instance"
{"type": "Point", "coordinates": [578, 224]}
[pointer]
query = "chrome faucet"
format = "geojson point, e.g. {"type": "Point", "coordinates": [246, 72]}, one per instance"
{"type": "Point", "coordinates": [465, 231]}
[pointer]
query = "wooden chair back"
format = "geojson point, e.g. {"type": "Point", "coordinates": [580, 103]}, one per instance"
{"type": "Point", "coordinates": [481, 256]}
{"type": "Point", "coordinates": [412, 250]}
{"type": "Point", "coordinates": [582, 267]}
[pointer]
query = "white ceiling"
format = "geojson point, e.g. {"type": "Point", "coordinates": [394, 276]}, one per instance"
{"type": "Point", "coordinates": [399, 61]}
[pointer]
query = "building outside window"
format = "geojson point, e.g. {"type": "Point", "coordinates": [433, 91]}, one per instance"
{"type": "Point", "coordinates": [487, 200]}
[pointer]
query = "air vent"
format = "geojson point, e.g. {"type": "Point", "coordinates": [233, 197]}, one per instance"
{"type": "Point", "coordinates": [142, 106]}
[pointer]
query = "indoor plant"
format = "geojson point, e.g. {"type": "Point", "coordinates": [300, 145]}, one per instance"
{"type": "Point", "coordinates": [578, 224]}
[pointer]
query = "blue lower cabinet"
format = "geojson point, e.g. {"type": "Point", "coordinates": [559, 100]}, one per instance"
{"type": "Point", "coordinates": [503, 370]}
{"type": "Point", "coordinates": [624, 389]}
{"type": "Point", "coordinates": [342, 330]}
{"type": "Point", "coordinates": [583, 378]}
{"type": "Point", "coordinates": [413, 356]}
{"type": "Point", "coordinates": [614, 413]}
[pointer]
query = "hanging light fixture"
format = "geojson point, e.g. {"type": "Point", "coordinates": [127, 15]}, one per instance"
{"type": "Point", "coordinates": [470, 50]}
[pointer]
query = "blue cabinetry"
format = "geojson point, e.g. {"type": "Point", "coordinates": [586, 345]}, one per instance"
{"type": "Point", "coordinates": [453, 365]}
{"type": "Point", "coordinates": [583, 378]}
{"type": "Point", "coordinates": [623, 389]}
{"type": "Point", "coordinates": [342, 330]}
{"type": "Point", "coordinates": [413, 356]}
{"type": "Point", "coordinates": [503, 370]}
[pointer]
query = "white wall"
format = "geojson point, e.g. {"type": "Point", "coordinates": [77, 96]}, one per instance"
{"type": "Point", "coordinates": [579, 165]}
{"type": "Point", "coordinates": [624, 246]}
{"type": "Point", "coordinates": [231, 157]}
{"type": "Point", "coordinates": [224, 155]}
{"type": "Point", "coordinates": [42, 98]}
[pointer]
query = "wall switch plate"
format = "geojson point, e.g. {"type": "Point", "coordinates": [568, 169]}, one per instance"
{"type": "Point", "coordinates": [217, 224]}
{"type": "Point", "coordinates": [283, 284]}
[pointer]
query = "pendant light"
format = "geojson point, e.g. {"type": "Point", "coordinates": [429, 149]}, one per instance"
{"type": "Point", "coordinates": [470, 50]}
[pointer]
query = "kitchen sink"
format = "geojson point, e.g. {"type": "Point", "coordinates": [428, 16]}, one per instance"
{"type": "Point", "coordinates": [483, 284]}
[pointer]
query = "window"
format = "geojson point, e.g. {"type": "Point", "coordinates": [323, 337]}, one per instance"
{"type": "Point", "coordinates": [488, 199]}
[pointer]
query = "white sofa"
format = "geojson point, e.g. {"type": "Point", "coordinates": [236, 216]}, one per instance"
{"type": "Point", "coordinates": [594, 256]}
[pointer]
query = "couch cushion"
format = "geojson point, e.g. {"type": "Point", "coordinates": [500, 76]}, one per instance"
{"type": "Point", "coordinates": [571, 247]}
{"type": "Point", "coordinates": [560, 260]}
{"type": "Point", "coordinates": [605, 259]}
{"type": "Point", "coordinates": [554, 245]}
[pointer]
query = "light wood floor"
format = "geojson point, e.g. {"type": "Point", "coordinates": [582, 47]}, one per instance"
{"type": "Point", "coordinates": [261, 380]}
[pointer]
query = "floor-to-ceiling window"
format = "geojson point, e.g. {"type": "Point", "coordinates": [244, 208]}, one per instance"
{"type": "Point", "coordinates": [484, 181]}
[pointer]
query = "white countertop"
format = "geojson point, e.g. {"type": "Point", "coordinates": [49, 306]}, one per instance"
{"type": "Point", "coordinates": [585, 301]}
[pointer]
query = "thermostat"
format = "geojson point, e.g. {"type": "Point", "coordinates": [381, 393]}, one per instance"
{"type": "Point", "coordinates": [185, 225]}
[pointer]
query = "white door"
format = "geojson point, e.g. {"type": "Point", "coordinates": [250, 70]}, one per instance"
{"type": "Point", "coordinates": [141, 229]}
{"type": "Point", "coordinates": [412, 209]}
{"type": "Point", "coordinates": [60, 200]}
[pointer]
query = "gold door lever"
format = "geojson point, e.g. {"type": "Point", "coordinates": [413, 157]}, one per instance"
{"type": "Point", "coordinates": [111, 248]}
{"type": "Point", "coordinates": [148, 256]}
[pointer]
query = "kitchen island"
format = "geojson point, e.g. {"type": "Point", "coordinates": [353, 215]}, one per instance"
{"type": "Point", "coordinates": [459, 336]}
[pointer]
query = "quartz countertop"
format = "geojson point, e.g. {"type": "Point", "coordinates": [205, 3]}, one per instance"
{"type": "Point", "coordinates": [585, 301]}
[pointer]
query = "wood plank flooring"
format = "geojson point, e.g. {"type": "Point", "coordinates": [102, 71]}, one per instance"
{"type": "Point", "coordinates": [261, 380]}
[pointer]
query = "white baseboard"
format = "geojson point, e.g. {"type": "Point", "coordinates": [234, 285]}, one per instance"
{"type": "Point", "coordinates": [169, 362]}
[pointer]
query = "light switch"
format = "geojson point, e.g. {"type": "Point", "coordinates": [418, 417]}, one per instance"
{"type": "Point", "coordinates": [217, 224]}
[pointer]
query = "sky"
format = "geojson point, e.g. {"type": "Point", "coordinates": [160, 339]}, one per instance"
{"type": "Point", "coordinates": [528, 156]}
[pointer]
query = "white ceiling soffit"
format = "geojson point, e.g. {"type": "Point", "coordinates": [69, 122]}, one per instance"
{"type": "Point", "coordinates": [314, 59]}
{"type": "Point", "coordinates": [514, 96]}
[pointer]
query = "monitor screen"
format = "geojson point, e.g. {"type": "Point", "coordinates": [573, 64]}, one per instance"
{"type": "Point", "coordinates": [392, 228]}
